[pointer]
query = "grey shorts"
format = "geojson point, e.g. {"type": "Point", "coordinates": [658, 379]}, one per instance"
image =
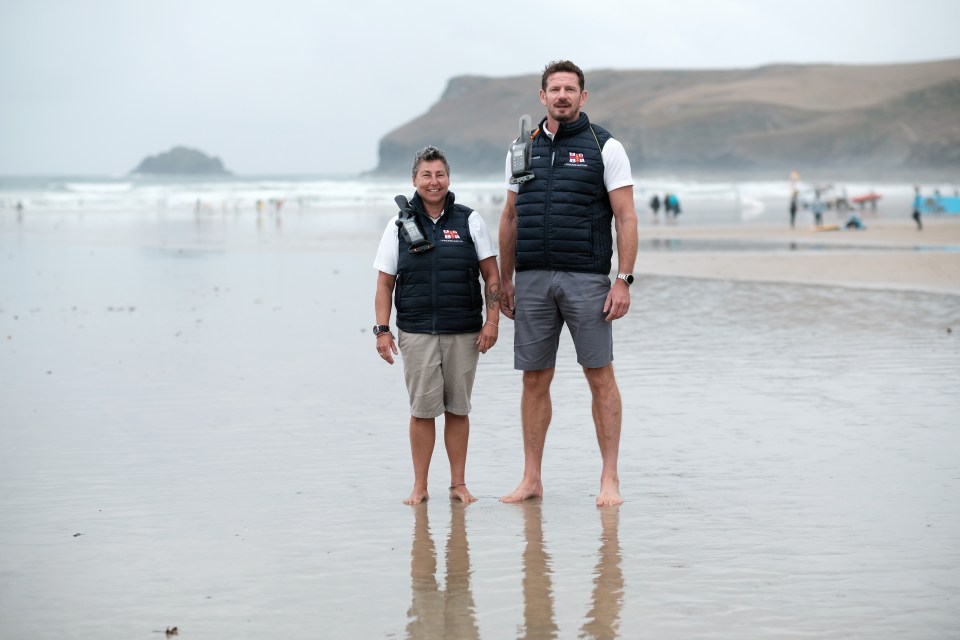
{"type": "Point", "coordinates": [439, 371]}
{"type": "Point", "coordinates": [545, 300]}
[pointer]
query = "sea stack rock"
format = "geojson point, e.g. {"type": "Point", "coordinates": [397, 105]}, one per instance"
{"type": "Point", "coordinates": [181, 161]}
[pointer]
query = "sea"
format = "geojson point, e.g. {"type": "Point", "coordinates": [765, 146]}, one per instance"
{"type": "Point", "coordinates": [703, 201]}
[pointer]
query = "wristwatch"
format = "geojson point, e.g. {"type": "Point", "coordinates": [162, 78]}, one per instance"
{"type": "Point", "coordinates": [626, 277]}
{"type": "Point", "coordinates": [380, 329]}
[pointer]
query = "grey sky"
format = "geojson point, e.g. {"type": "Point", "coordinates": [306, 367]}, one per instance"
{"type": "Point", "coordinates": [298, 86]}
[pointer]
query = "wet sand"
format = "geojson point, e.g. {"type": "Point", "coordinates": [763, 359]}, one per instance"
{"type": "Point", "coordinates": [195, 431]}
{"type": "Point", "coordinates": [888, 254]}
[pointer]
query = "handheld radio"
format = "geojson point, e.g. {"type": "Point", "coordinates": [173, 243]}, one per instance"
{"type": "Point", "coordinates": [520, 152]}
{"type": "Point", "coordinates": [410, 228]}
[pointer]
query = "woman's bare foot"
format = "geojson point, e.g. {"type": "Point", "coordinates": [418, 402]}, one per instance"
{"type": "Point", "coordinates": [417, 496]}
{"type": "Point", "coordinates": [526, 490]}
{"type": "Point", "coordinates": [461, 493]}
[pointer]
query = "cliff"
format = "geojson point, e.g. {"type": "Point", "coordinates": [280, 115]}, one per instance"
{"type": "Point", "coordinates": [849, 118]}
{"type": "Point", "coordinates": [181, 161]}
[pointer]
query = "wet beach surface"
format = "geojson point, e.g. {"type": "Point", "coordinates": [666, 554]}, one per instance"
{"type": "Point", "coordinates": [195, 431]}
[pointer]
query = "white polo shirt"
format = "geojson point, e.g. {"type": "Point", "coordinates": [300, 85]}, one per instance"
{"type": "Point", "coordinates": [388, 253]}
{"type": "Point", "coordinates": [616, 166]}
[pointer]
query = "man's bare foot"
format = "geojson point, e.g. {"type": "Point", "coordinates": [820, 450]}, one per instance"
{"type": "Point", "coordinates": [417, 497]}
{"type": "Point", "coordinates": [525, 491]}
{"type": "Point", "coordinates": [609, 494]}
{"type": "Point", "coordinates": [461, 493]}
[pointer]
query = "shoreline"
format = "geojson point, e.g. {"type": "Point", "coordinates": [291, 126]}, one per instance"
{"type": "Point", "coordinates": [886, 255]}
{"type": "Point", "coordinates": [889, 254]}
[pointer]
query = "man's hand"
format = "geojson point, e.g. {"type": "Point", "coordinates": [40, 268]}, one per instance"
{"type": "Point", "coordinates": [618, 301]}
{"type": "Point", "coordinates": [508, 302]}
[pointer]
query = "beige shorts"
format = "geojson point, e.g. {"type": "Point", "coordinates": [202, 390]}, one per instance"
{"type": "Point", "coordinates": [439, 371]}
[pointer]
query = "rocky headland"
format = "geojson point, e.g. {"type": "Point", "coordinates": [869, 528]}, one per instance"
{"type": "Point", "coordinates": [853, 119]}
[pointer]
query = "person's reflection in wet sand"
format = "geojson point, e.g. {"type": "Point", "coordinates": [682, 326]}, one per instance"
{"type": "Point", "coordinates": [426, 601]}
{"type": "Point", "coordinates": [433, 613]}
{"type": "Point", "coordinates": [603, 620]}
{"type": "Point", "coordinates": [458, 607]}
{"type": "Point", "coordinates": [538, 618]}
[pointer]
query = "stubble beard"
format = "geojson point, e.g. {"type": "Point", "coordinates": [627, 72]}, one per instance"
{"type": "Point", "coordinates": [570, 117]}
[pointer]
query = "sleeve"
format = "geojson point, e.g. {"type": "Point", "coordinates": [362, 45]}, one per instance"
{"type": "Point", "coordinates": [616, 166]}
{"type": "Point", "coordinates": [481, 237]}
{"type": "Point", "coordinates": [508, 173]}
{"type": "Point", "coordinates": [388, 253]}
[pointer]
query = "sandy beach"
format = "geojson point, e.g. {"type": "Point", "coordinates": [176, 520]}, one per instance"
{"type": "Point", "coordinates": [195, 431]}
{"type": "Point", "coordinates": [888, 254]}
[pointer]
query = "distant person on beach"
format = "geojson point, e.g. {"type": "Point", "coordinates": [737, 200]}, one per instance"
{"type": "Point", "coordinates": [817, 207]}
{"type": "Point", "coordinates": [655, 209]}
{"type": "Point", "coordinates": [441, 331]}
{"type": "Point", "coordinates": [854, 222]}
{"type": "Point", "coordinates": [793, 209]}
{"type": "Point", "coordinates": [555, 232]}
{"type": "Point", "coordinates": [917, 206]}
{"type": "Point", "coordinates": [672, 207]}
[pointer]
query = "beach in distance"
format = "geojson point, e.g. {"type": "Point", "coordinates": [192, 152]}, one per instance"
{"type": "Point", "coordinates": [196, 430]}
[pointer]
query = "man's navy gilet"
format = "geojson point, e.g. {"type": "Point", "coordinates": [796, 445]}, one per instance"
{"type": "Point", "coordinates": [564, 214]}
{"type": "Point", "coordinates": [438, 291]}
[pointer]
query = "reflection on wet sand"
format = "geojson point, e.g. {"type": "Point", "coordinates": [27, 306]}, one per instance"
{"type": "Point", "coordinates": [538, 616]}
{"type": "Point", "coordinates": [433, 613]}
{"type": "Point", "coordinates": [603, 619]}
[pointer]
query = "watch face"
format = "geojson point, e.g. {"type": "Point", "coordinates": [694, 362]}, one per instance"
{"type": "Point", "coordinates": [626, 277]}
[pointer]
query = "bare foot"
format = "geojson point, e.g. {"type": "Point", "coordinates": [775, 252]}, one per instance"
{"type": "Point", "coordinates": [525, 491]}
{"type": "Point", "coordinates": [609, 494]}
{"type": "Point", "coordinates": [461, 493]}
{"type": "Point", "coordinates": [417, 497]}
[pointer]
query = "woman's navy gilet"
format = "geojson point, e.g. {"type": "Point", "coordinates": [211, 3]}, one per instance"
{"type": "Point", "coordinates": [438, 291]}
{"type": "Point", "coordinates": [564, 215]}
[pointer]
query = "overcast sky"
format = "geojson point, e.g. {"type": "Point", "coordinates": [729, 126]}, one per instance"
{"type": "Point", "coordinates": [90, 87]}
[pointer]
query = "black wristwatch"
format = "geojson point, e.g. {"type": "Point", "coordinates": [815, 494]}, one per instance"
{"type": "Point", "coordinates": [626, 277]}
{"type": "Point", "coordinates": [380, 329]}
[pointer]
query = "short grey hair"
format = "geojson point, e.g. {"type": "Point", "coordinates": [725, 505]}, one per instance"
{"type": "Point", "coordinates": [429, 154]}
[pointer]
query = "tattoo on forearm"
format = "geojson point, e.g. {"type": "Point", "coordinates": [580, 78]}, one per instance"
{"type": "Point", "coordinates": [493, 296]}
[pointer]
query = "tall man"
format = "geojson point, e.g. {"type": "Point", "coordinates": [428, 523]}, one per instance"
{"type": "Point", "coordinates": [555, 232]}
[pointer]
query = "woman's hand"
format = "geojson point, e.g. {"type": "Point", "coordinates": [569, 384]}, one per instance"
{"type": "Point", "coordinates": [387, 347]}
{"type": "Point", "coordinates": [488, 336]}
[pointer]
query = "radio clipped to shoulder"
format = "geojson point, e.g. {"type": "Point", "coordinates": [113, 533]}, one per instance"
{"type": "Point", "coordinates": [520, 153]}
{"type": "Point", "coordinates": [410, 227]}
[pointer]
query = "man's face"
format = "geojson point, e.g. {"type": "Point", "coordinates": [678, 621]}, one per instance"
{"type": "Point", "coordinates": [563, 97]}
{"type": "Point", "coordinates": [432, 182]}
